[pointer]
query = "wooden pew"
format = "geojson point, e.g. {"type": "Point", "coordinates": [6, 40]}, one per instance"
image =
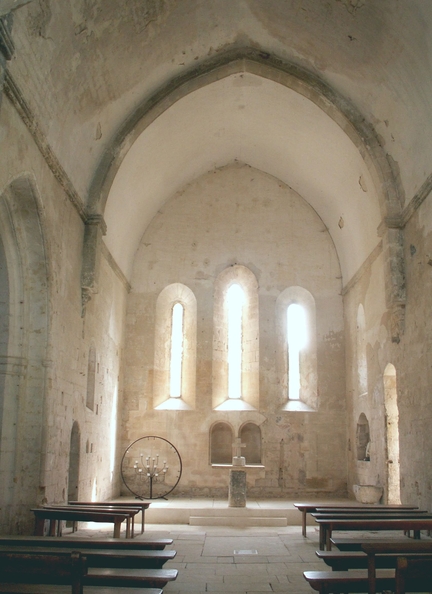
{"type": "Point", "coordinates": [131, 511]}
{"type": "Point", "coordinates": [355, 544]}
{"type": "Point", "coordinates": [131, 578]}
{"type": "Point", "coordinates": [84, 543]}
{"type": "Point", "coordinates": [54, 515]}
{"type": "Point", "coordinates": [378, 549]}
{"type": "Point", "coordinates": [379, 555]}
{"type": "Point", "coordinates": [344, 560]}
{"type": "Point", "coordinates": [104, 557]}
{"type": "Point", "coordinates": [366, 516]}
{"type": "Point", "coordinates": [413, 574]}
{"type": "Point", "coordinates": [141, 504]}
{"type": "Point", "coordinates": [311, 507]}
{"type": "Point", "coordinates": [327, 526]}
{"type": "Point", "coordinates": [29, 567]}
{"type": "Point", "coordinates": [39, 565]}
{"type": "Point", "coordinates": [339, 582]}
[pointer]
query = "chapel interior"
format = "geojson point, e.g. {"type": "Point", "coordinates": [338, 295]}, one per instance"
{"type": "Point", "coordinates": [215, 229]}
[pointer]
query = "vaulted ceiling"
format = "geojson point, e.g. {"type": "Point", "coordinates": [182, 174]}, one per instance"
{"type": "Point", "coordinates": [139, 98]}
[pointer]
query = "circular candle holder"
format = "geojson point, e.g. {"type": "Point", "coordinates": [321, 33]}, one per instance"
{"type": "Point", "coordinates": [151, 467]}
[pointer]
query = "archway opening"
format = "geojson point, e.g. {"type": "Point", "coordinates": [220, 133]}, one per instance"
{"type": "Point", "coordinates": [392, 434]}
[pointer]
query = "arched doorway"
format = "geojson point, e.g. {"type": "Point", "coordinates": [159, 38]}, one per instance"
{"type": "Point", "coordinates": [392, 434]}
{"type": "Point", "coordinates": [74, 460]}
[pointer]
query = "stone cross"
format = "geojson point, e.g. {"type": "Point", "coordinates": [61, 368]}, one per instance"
{"type": "Point", "coordinates": [238, 459]}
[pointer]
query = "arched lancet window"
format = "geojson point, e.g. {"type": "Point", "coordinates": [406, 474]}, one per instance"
{"type": "Point", "coordinates": [296, 356]}
{"type": "Point", "coordinates": [361, 353]}
{"type": "Point", "coordinates": [174, 376]}
{"type": "Point", "coordinates": [297, 335]}
{"type": "Point", "coordinates": [235, 301]}
{"type": "Point", "coordinates": [236, 340]}
{"type": "Point", "coordinates": [176, 355]}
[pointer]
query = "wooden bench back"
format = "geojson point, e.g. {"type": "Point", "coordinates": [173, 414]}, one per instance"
{"type": "Point", "coordinates": [32, 567]}
{"type": "Point", "coordinates": [413, 574]}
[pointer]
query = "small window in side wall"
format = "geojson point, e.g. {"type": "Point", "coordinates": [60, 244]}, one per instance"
{"type": "Point", "coordinates": [91, 378]}
{"type": "Point", "coordinates": [362, 376]}
{"type": "Point", "coordinates": [250, 436]}
{"type": "Point", "coordinates": [221, 444]}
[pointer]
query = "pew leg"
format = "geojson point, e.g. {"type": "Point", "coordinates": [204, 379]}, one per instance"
{"type": "Point", "coordinates": [322, 539]}
{"type": "Point", "coordinates": [117, 526]}
{"type": "Point", "coordinates": [52, 527]}
{"type": "Point", "coordinates": [39, 526]}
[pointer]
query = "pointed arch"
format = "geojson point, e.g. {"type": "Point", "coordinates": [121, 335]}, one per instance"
{"type": "Point", "coordinates": [24, 364]}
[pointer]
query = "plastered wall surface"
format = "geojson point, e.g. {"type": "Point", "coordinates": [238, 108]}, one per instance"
{"type": "Point", "coordinates": [240, 216]}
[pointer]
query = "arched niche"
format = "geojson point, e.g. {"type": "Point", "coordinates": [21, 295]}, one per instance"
{"type": "Point", "coordinates": [221, 443]}
{"type": "Point", "coordinates": [362, 437]}
{"type": "Point", "coordinates": [250, 436]}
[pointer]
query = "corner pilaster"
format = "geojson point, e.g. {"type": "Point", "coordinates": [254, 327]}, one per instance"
{"type": "Point", "coordinates": [95, 229]}
{"type": "Point", "coordinates": [393, 247]}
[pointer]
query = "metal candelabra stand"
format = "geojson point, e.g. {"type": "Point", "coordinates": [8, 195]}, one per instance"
{"type": "Point", "coordinates": [150, 470]}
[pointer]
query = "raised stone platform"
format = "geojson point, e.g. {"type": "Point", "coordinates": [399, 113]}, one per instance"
{"type": "Point", "coordinates": [216, 512]}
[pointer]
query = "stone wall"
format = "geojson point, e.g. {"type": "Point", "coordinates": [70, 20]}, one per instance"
{"type": "Point", "coordinates": [46, 360]}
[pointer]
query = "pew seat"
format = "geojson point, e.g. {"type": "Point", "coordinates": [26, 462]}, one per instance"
{"type": "Point", "coordinates": [84, 543]}
{"type": "Point", "coordinates": [339, 582]}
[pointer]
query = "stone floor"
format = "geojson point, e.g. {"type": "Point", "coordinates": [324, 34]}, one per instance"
{"type": "Point", "coordinates": [234, 559]}
{"type": "Point", "coordinates": [238, 560]}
